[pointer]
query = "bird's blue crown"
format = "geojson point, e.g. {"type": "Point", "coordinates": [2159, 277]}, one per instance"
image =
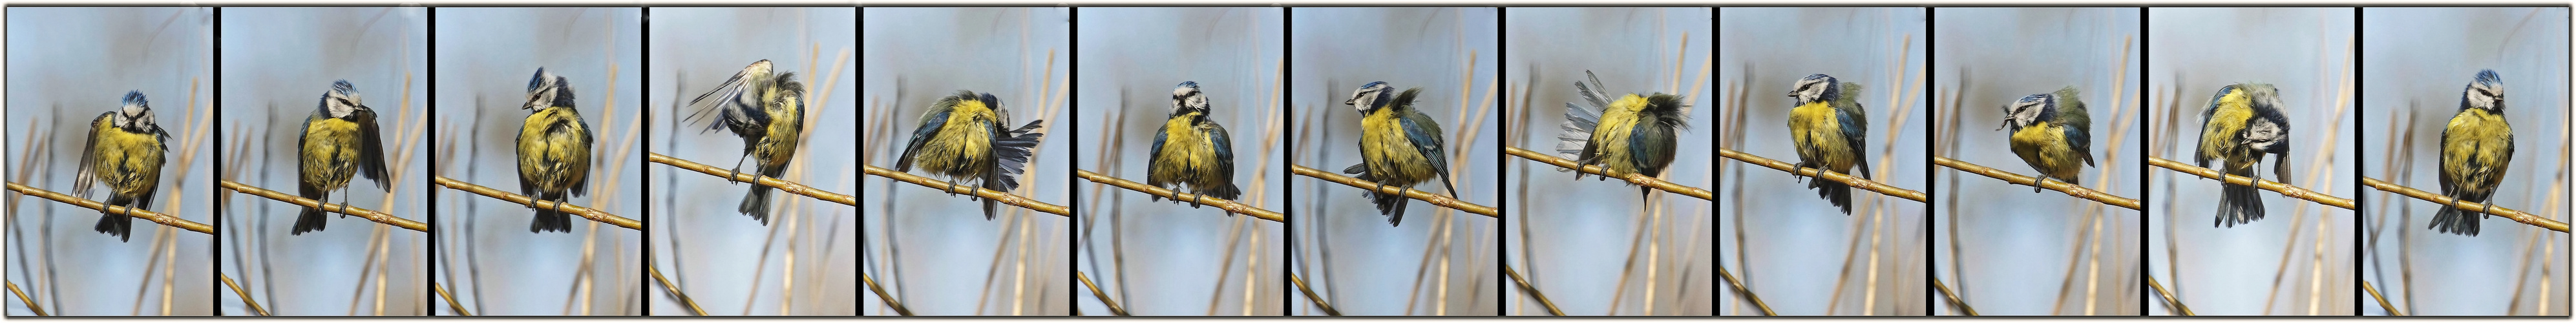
{"type": "Point", "coordinates": [2489, 77]}
{"type": "Point", "coordinates": [343, 86]}
{"type": "Point", "coordinates": [135, 98]}
{"type": "Point", "coordinates": [1190, 84]}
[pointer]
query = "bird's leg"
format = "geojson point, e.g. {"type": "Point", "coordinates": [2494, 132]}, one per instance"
{"type": "Point", "coordinates": [344, 203]}
{"type": "Point", "coordinates": [2034, 185]}
{"type": "Point", "coordinates": [737, 169]}
{"type": "Point", "coordinates": [1195, 198]}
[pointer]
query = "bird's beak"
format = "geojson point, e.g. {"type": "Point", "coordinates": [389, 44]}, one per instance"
{"type": "Point", "coordinates": [1351, 101]}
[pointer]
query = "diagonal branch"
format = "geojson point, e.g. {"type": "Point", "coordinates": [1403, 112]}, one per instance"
{"type": "Point", "coordinates": [1646, 180]}
{"type": "Point", "coordinates": [755, 178]}
{"type": "Point", "coordinates": [237, 290]}
{"type": "Point", "coordinates": [451, 300]}
{"type": "Point", "coordinates": [584, 212]}
{"type": "Point", "coordinates": [1230, 206]}
{"type": "Point", "coordinates": [155, 217]}
{"type": "Point", "coordinates": [2169, 296]}
{"type": "Point", "coordinates": [1854, 182]}
{"type": "Point", "coordinates": [1104, 297]}
{"type": "Point", "coordinates": [881, 293]}
{"type": "Point", "coordinates": [1533, 290]}
{"type": "Point", "coordinates": [2284, 188]}
{"type": "Point", "coordinates": [1748, 292]}
{"type": "Point", "coordinates": [675, 291]}
{"type": "Point", "coordinates": [1954, 297]}
{"type": "Point", "coordinates": [999, 196]}
{"type": "Point", "coordinates": [2383, 300]}
{"type": "Point", "coordinates": [2517, 216]}
{"type": "Point", "coordinates": [1435, 199]}
{"type": "Point", "coordinates": [2061, 186]}
{"type": "Point", "coordinates": [370, 215]}
{"type": "Point", "coordinates": [22, 297]}
{"type": "Point", "coordinates": [1310, 295]}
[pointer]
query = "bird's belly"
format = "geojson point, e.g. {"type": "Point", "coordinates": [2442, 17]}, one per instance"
{"type": "Point", "coordinates": [2044, 146]}
{"type": "Point", "coordinates": [959, 150]}
{"type": "Point", "coordinates": [1390, 156]}
{"type": "Point", "coordinates": [1819, 136]}
{"type": "Point", "coordinates": [135, 159]}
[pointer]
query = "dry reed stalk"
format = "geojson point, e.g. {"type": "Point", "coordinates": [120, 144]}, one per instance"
{"type": "Point", "coordinates": [1229, 206]}
{"type": "Point", "coordinates": [1310, 295]}
{"type": "Point", "coordinates": [1435, 200]}
{"type": "Point", "coordinates": [2018, 179]}
{"type": "Point", "coordinates": [369, 215]}
{"type": "Point", "coordinates": [584, 212]}
{"type": "Point", "coordinates": [155, 217]}
{"type": "Point", "coordinates": [1104, 297]}
{"type": "Point", "coordinates": [1004, 198]}
{"type": "Point", "coordinates": [780, 184]}
{"type": "Point", "coordinates": [1533, 291]}
{"type": "Point", "coordinates": [1853, 181]}
{"type": "Point", "coordinates": [228, 282]}
{"type": "Point", "coordinates": [2285, 189]}
{"type": "Point", "coordinates": [1748, 292]}
{"type": "Point", "coordinates": [2169, 297]}
{"type": "Point", "coordinates": [1645, 180]}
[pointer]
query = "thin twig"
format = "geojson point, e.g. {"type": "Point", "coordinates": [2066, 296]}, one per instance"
{"type": "Point", "coordinates": [882, 296]}
{"type": "Point", "coordinates": [1230, 206]}
{"type": "Point", "coordinates": [2061, 186]}
{"type": "Point", "coordinates": [1310, 295]}
{"type": "Point", "coordinates": [755, 178]}
{"type": "Point", "coordinates": [2383, 300]}
{"type": "Point", "coordinates": [1646, 180]}
{"type": "Point", "coordinates": [2284, 188]}
{"type": "Point", "coordinates": [228, 282]}
{"type": "Point", "coordinates": [998, 196]}
{"type": "Point", "coordinates": [1954, 297]}
{"type": "Point", "coordinates": [370, 215]}
{"type": "Point", "coordinates": [1435, 199]}
{"type": "Point", "coordinates": [1104, 297]}
{"type": "Point", "coordinates": [451, 300]}
{"type": "Point", "coordinates": [1748, 293]}
{"type": "Point", "coordinates": [584, 212]}
{"type": "Point", "coordinates": [2169, 297]}
{"type": "Point", "coordinates": [2516, 216]}
{"type": "Point", "coordinates": [675, 291]}
{"type": "Point", "coordinates": [1533, 291]}
{"type": "Point", "coordinates": [1854, 182]}
{"type": "Point", "coordinates": [155, 217]}
{"type": "Point", "coordinates": [31, 302]}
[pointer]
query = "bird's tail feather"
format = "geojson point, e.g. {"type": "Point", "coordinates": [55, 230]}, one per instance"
{"type": "Point", "coordinates": [121, 226]}
{"type": "Point", "coordinates": [756, 204]}
{"type": "Point", "coordinates": [1833, 191]}
{"type": "Point", "coordinates": [548, 219]}
{"type": "Point", "coordinates": [2239, 204]}
{"type": "Point", "coordinates": [308, 221]}
{"type": "Point", "coordinates": [1392, 205]}
{"type": "Point", "coordinates": [2454, 220]}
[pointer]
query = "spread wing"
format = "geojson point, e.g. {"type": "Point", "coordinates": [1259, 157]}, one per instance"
{"type": "Point", "coordinates": [89, 156]}
{"type": "Point", "coordinates": [371, 150]}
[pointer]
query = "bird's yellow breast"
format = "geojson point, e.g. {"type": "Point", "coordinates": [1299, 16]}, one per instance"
{"type": "Point", "coordinates": [1818, 130]}
{"type": "Point", "coordinates": [1390, 155]}
{"type": "Point", "coordinates": [1187, 152]}
{"type": "Point", "coordinates": [557, 158]}
{"type": "Point", "coordinates": [785, 130]}
{"type": "Point", "coordinates": [129, 162]}
{"type": "Point", "coordinates": [1612, 134]}
{"type": "Point", "coordinates": [964, 144]}
{"type": "Point", "coordinates": [2476, 148]}
{"type": "Point", "coordinates": [329, 152]}
{"type": "Point", "coordinates": [2044, 146]}
{"type": "Point", "coordinates": [2218, 135]}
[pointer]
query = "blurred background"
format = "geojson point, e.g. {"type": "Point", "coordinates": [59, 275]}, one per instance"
{"type": "Point", "coordinates": [278, 63]}
{"type": "Point", "coordinates": [1184, 261]}
{"type": "Point", "coordinates": [1996, 244]}
{"type": "Point", "coordinates": [73, 64]}
{"type": "Point", "coordinates": [2293, 261]}
{"type": "Point", "coordinates": [1784, 235]}
{"type": "Point", "coordinates": [1592, 234]}
{"type": "Point", "coordinates": [941, 243]}
{"type": "Point", "coordinates": [1449, 53]}
{"type": "Point", "coordinates": [2420, 59]}
{"type": "Point", "coordinates": [485, 57]}
{"type": "Point", "coordinates": [800, 263]}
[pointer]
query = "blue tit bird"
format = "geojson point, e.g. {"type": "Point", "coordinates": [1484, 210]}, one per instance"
{"type": "Point", "coordinates": [338, 141]}
{"type": "Point", "coordinates": [2243, 122]}
{"type": "Point", "coordinates": [1630, 135]}
{"type": "Point", "coordinates": [965, 137]}
{"type": "Point", "coordinates": [768, 111]}
{"type": "Point", "coordinates": [1192, 150]}
{"type": "Point", "coordinates": [126, 150]}
{"type": "Point", "coordinates": [1829, 126]}
{"type": "Point", "coordinates": [554, 150]}
{"type": "Point", "coordinates": [2051, 131]}
{"type": "Point", "coordinates": [1399, 146]}
{"type": "Point", "coordinates": [2476, 148]}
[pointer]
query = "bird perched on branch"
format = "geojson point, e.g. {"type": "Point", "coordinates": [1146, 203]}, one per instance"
{"type": "Point", "coordinates": [1829, 126]}
{"type": "Point", "coordinates": [1399, 146]}
{"type": "Point", "coordinates": [1630, 135]}
{"type": "Point", "coordinates": [339, 140]}
{"type": "Point", "coordinates": [2051, 131]}
{"type": "Point", "coordinates": [2476, 148]}
{"type": "Point", "coordinates": [1192, 150]}
{"type": "Point", "coordinates": [768, 111]}
{"type": "Point", "coordinates": [2242, 123]}
{"type": "Point", "coordinates": [965, 137]}
{"type": "Point", "coordinates": [126, 150]}
{"type": "Point", "coordinates": [554, 150]}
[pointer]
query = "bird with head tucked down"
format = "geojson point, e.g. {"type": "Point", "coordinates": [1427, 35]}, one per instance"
{"type": "Point", "coordinates": [964, 137]}
{"type": "Point", "coordinates": [2051, 132]}
{"type": "Point", "coordinates": [1633, 134]}
{"type": "Point", "coordinates": [126, 150]}
{"type": "Point", "coordinates": [765, 109]}
{"type": "Point", "coordinates": [1192, 150]}
{"type": "Point", "coordinates": [554, 147]}
{"type": "Point", "coordinates": [1829, 126]}
{"type": "Point", "coordinates": [1399, 146]}
{"type": "Point", "coordinates": [2243, 122]}
{"type": "Point", "coordinates": [2477, 146]}
{"type": "Point", "coordinates": [340, 139]}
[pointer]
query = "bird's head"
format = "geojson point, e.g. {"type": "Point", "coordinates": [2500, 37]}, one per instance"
{"type": "Point", "coordinates": [1370, 97]}
{"type": "Point", "coordinates": [2029, 110]}
{"type": "Point", "coordinates": [1815, 87]}
{"type": "Point", "coordinates": [2487, 92]}
{"type": "Point", "coordinates": [1187, 98]}
{"type": "Point", "coordinates": [545, 90]}
{"type": "Point", "coordinates": [342, 100]}
{"type": "Point", "coordinates": [136, 113]}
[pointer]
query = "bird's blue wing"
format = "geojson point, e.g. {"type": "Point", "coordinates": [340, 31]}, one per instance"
{"type": "Point", "coordinates": [1224, 148]}
{"type": "Point", "coordinates": [1425, 135]}
{"type": "Point", "coordinates": [1855, 132]}
{"type": "Point", "coordinates": [929, 128]}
